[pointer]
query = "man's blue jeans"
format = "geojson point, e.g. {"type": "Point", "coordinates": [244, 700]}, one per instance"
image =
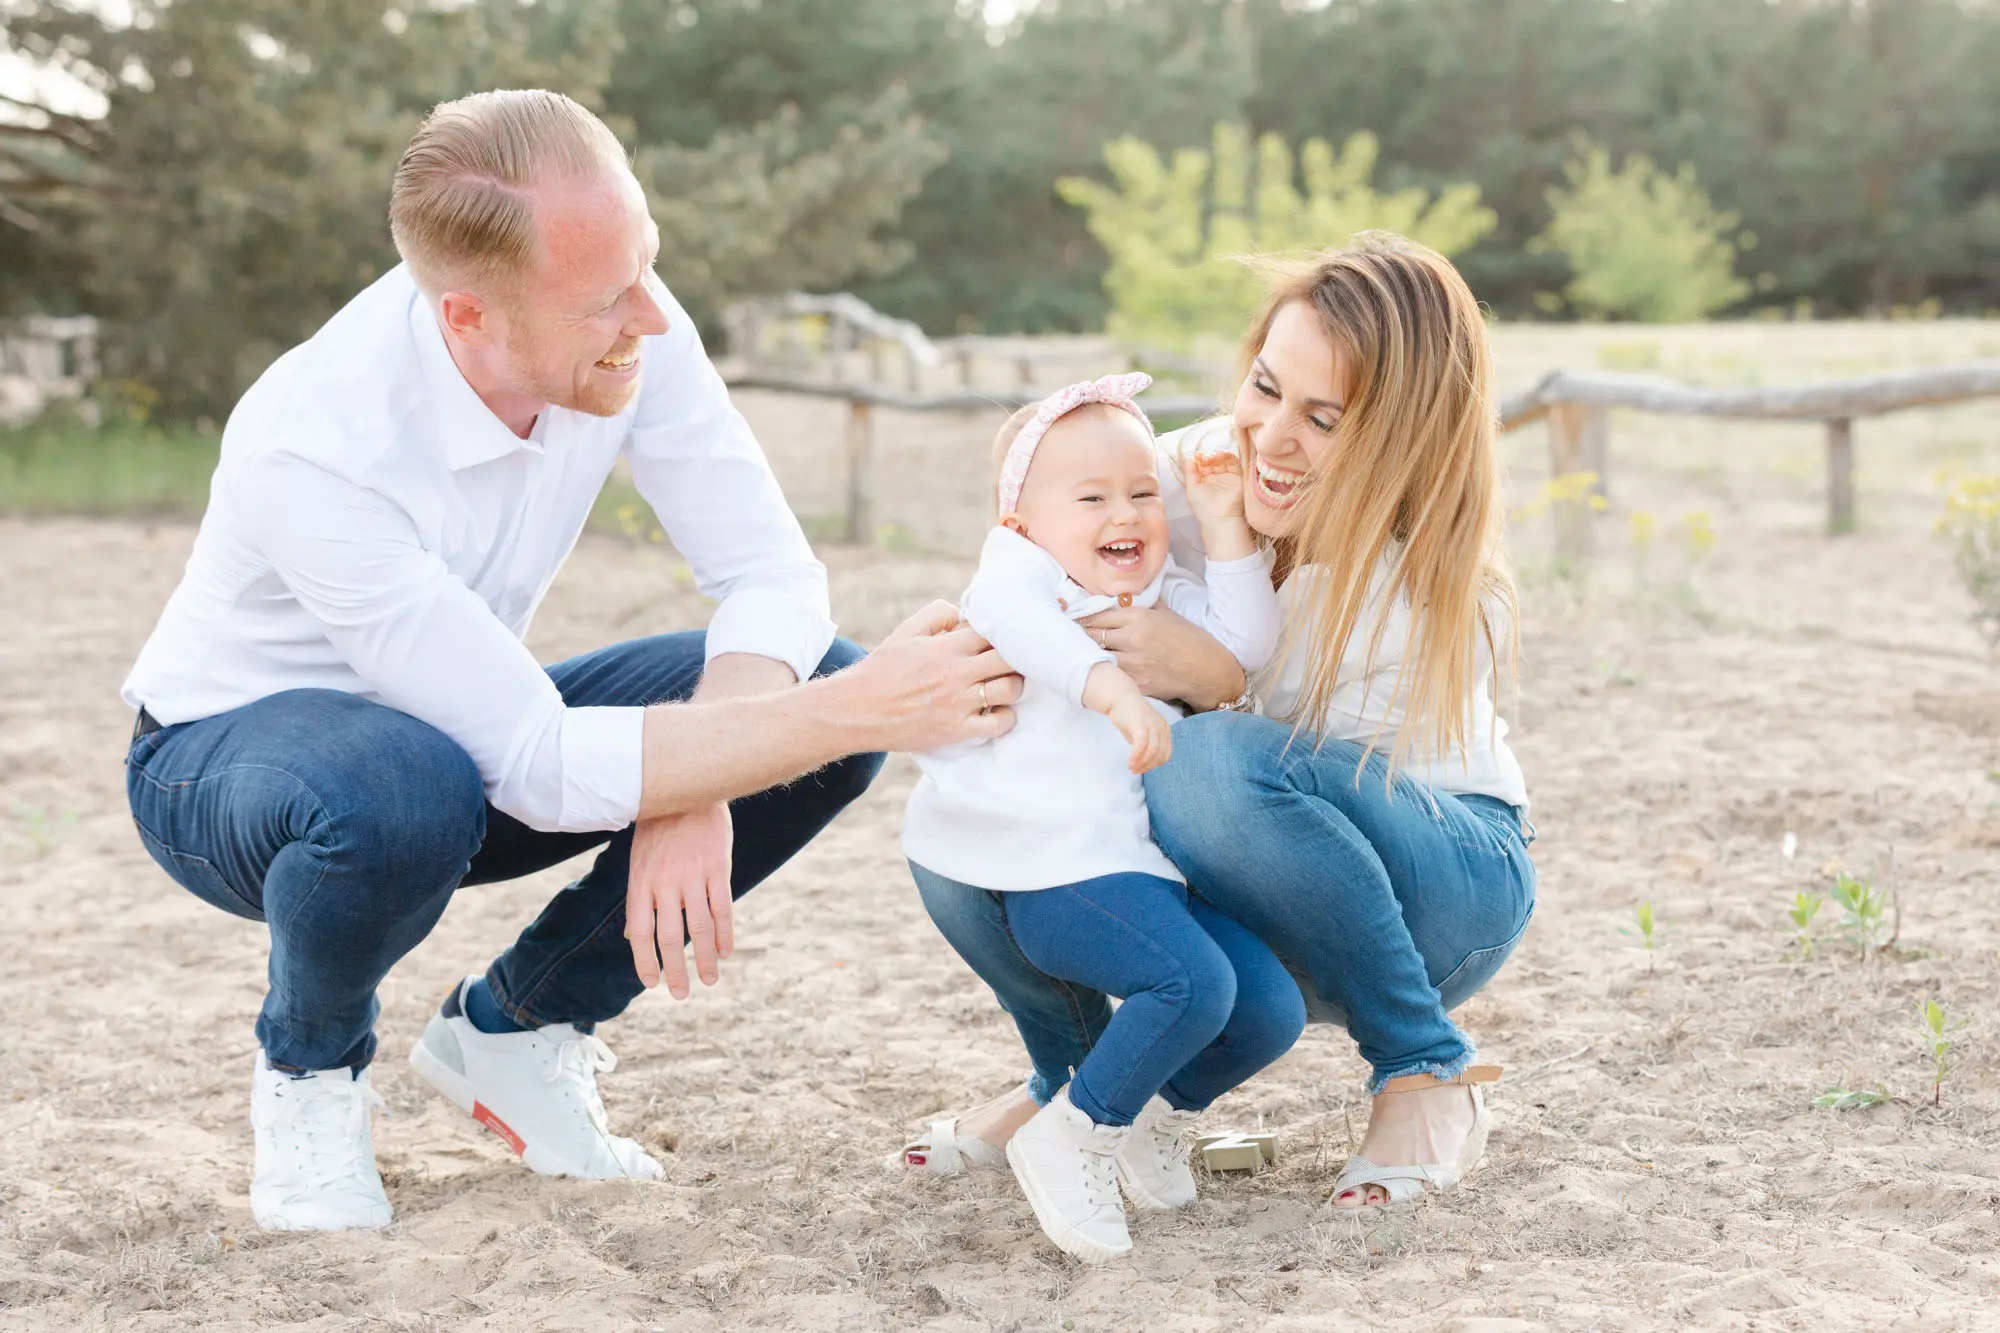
{"type": "Point", "coordinates": [346, 826]}
{"type": "Point", "coordinates": [1206, 1003]}
{"type": "Point", "coordinates": [1390, 906]}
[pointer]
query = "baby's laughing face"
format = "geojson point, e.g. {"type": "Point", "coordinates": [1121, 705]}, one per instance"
{"type": "Point", "coordinates": [1092, 500]}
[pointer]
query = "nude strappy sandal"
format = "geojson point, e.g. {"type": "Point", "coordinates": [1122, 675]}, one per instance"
{"type": "Point", "coordinates": [942, 1151]}
{"type": "Point", "coordinates": [1407, 1184]}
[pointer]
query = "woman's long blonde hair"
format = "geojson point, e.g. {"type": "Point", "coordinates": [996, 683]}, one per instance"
{"type": "Point", "coordinates": [1415, 463]}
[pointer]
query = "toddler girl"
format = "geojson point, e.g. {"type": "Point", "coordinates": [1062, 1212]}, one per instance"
{"type": "Point", "coordinates": [1051, 817]}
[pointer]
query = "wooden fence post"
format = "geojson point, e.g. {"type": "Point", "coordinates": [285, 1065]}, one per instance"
{"type": "Point", "coordinates": [1597, 448]}
{"type": "Point", "coordinates": [860, 466]}
{"type": "Point", "coordinates": [838, 338]}
{"type": "Point", "coordinates": [1839, 476]}
{"type": "Point", "coordinates": [1567, 425]}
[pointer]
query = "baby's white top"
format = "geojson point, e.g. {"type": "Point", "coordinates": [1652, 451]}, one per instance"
{"type": "Point", "coordinates": [1363, 706]}
{"type": "Point", "coordinates": [1053, 802]}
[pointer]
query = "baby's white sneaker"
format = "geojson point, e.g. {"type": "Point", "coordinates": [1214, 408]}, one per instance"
{"type": "Point", "coordinates": [315, 1154]}
{"type": "Point", "coordinates": [1064, 1161]}
{"type": "Point", "coordinates": [1153, 1164]}
{"type": "Point", "coordinates": [536, 1089]}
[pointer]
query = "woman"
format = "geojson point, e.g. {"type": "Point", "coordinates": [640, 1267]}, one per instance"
{"type": "Point", "coordinates": [1356, 806]}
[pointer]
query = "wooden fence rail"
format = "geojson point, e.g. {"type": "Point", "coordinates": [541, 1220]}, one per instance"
{"type": "Point", "coordinates": [1577, 408]}
{"type": "Point", "coordinates": [862, 399]}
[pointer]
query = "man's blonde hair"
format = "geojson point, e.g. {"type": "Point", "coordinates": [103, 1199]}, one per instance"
{"type": "Point", "coordinates": [460, 209]}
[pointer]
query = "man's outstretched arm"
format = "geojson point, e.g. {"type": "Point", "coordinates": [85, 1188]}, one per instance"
{"type": "Point", "coordinates": [750, 727]}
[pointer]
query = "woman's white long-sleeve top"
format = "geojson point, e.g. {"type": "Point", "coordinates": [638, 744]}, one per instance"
{"type": "Point", "coordinates": [1053, 802]}
{"type": "Point", "coordinates": [1365, 706]}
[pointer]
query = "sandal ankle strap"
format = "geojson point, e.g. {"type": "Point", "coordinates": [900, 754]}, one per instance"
{"type": "Point", "coordinates": [1418, 1082]}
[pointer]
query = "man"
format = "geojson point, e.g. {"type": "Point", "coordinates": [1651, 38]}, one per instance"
{"type": "Point", "coordinates": [339, 724]}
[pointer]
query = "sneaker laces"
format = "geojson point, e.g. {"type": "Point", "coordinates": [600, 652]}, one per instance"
{"type": "Point", "coordinates": [1100, 1176]}
{"type": "Point", "coordinates": [1172, 1136]}
{"type": "Point", "coordinates": [579, 1060]}
{"type": "Point", "coordinates": [321, 1121]}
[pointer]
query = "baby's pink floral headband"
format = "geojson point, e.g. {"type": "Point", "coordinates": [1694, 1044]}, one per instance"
{"type": "Point", "coordinates": [1116, 390]}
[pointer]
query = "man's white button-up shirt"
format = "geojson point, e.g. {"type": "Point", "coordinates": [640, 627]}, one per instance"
{"type": "Point", "coordinates": [374, 528]}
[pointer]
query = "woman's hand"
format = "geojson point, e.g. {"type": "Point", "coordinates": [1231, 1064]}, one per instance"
{"type": "Point", "coordinates": [1168, 657]}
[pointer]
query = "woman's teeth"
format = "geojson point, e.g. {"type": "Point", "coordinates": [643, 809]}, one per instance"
{"type": "Point", "coordinates": [1276, 483]}
{"type": "Point", "coordinates": [624, 361]}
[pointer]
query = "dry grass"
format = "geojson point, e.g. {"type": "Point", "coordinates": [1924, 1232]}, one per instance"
{"type": "Point", "coordinates": [1658, 1163]}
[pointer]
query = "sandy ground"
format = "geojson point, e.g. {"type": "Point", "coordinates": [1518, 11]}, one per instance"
{"type": "Point", "coordinates": [1658, 1163]}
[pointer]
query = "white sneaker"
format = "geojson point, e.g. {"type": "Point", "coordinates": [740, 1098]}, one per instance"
{"type": "Point", "coordinates": [1063, 1160]}
{"type": "Point", "coordinates": [1153, 1164]}
{"type": "Point", "coordinates": [315, 1156]}
{"type": "Point", "coordinates": [536, 1089]}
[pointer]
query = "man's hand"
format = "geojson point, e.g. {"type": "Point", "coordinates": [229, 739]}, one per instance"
{"type": "Point", "coordinates": [1168, 657]}
{"type": "Point", "coordinates": [933, 682]}
{"type": "Point", "coordinates": [680, 871]}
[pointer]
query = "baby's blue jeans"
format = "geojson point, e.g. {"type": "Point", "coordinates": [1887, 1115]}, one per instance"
{"type": "Point", "coordinates": [1206, 1003]}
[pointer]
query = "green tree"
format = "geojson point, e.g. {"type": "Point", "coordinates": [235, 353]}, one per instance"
{"type": "Point", "coordinates": [995, 248]}
{"type": "Point", "coordinates": [248, 147]}
{"type": "Point", "coordinates": [1175, 230]}
{"type": "Point", "coordinates": [757, 210]}
{"type": "Point", "coordinates": [1641, 244]}
{"type": "Point", "coordinates": [1861, 142]}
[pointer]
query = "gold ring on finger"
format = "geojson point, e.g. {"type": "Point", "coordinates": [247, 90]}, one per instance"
{"type": "Point", "coordinates": [984, 704]}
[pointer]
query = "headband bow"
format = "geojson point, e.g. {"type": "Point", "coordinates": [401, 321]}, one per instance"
{"type": "Point", "coordinates": [1116, 390]}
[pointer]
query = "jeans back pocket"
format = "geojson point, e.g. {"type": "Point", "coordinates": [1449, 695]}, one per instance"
{"type": "Point", "coordinates": [199, 876]}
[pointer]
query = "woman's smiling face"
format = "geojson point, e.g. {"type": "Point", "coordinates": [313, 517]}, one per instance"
{"type": "Point", "coordinates": [1287, 412]}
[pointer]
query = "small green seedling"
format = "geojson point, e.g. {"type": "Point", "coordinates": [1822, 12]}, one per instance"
{"type": "Point", "coordinates": [1935, 1031]}
{"type": "Point", "coordinates": [1805, 906]}
{"type": "Point", "coordinates": [1649, 931]}
{"type": "Point", "coordinates": [44, 829]}
{"type": "Point", "coordinates": [1841, 1099]}
{"type": "Point", "coordinates": [1864, 913]}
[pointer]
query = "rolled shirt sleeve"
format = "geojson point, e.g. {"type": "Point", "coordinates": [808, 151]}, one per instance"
{"type": "Point", "coordinates": [426, 645]}
{"type": "Point", "coordinates": [697, 463]}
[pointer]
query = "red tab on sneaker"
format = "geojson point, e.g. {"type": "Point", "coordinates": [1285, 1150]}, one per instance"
{"type": "Point", "coordinates": [498, 1126]}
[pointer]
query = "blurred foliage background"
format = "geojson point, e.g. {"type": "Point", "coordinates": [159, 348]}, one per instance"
{"type": "Point", "coordinates": [1061, 166]}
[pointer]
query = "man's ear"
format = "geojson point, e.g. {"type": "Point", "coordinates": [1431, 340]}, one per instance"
{"type": "Point", "coordinates": [468, 318]}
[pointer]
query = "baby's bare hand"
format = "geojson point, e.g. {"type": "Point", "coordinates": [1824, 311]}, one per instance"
{"type": "Point", "coordinates": [1149, 734]}
{"type": "Point", "coordinates": [1214, 485]}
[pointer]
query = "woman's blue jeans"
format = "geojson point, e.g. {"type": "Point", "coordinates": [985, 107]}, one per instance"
{"type": "Point", "coordinates": [346, 826]}
{"type": "Point", "coordinates": [1390, 906]}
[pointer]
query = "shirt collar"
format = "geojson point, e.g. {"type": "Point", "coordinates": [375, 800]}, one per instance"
{"type": "Point", "coordinates": [467, 429]}
{"type": "Point", "coordinates": [1077, 603]}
